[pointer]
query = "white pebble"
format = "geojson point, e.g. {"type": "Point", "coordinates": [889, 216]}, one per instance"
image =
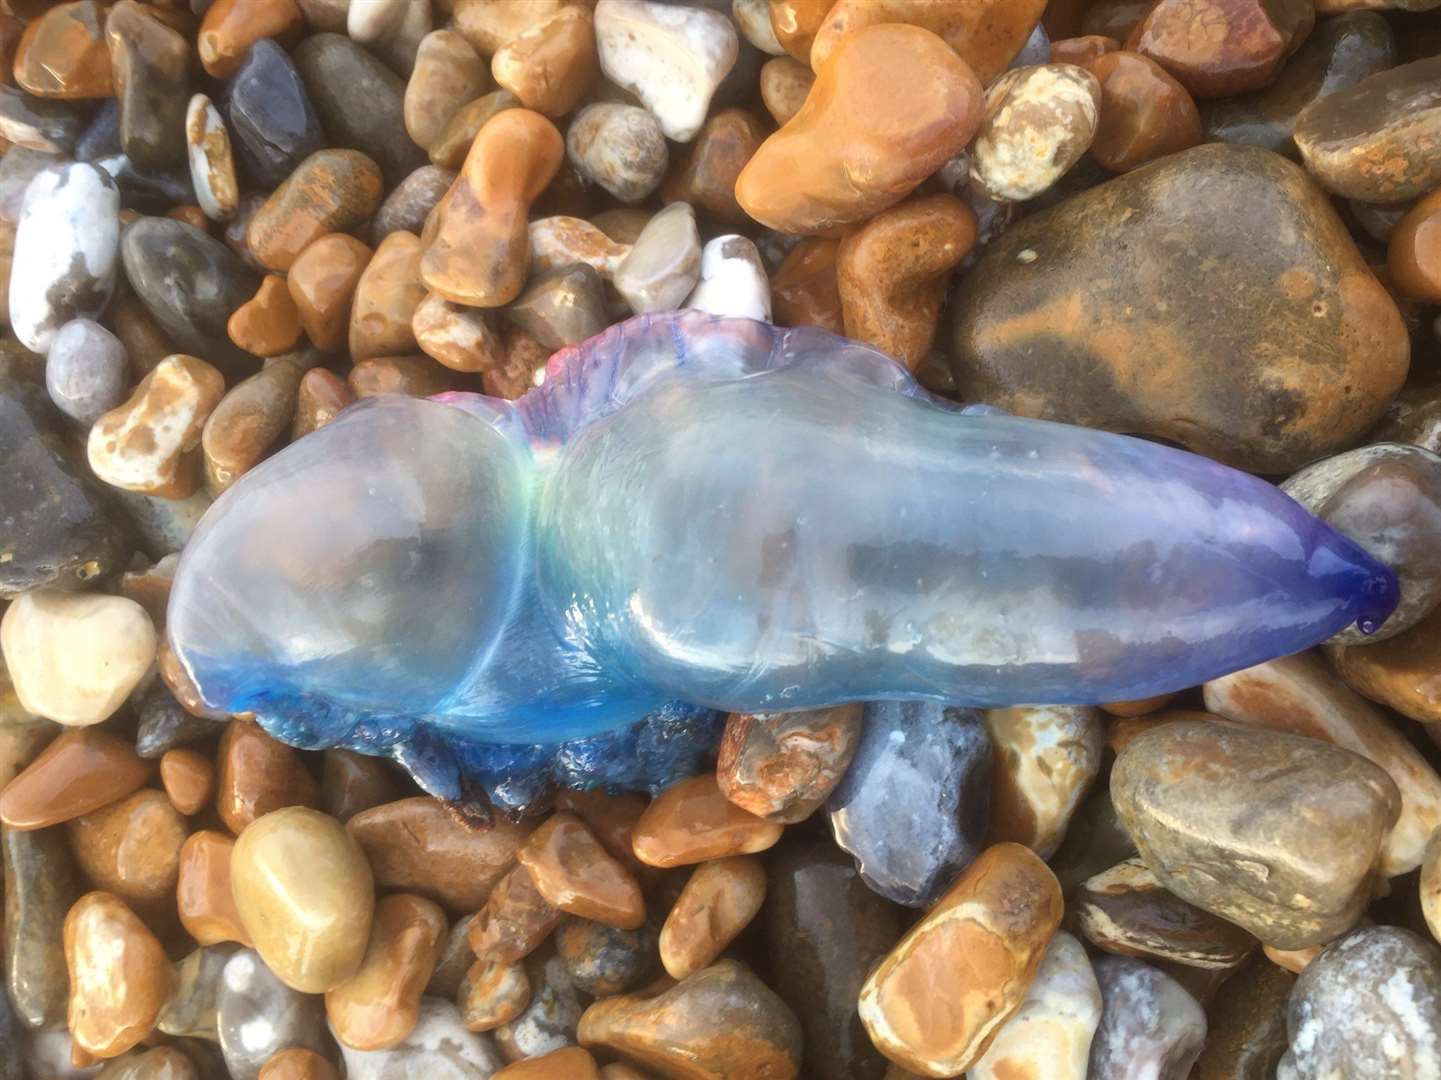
{"type": "Point", "coordinates": [732, 280]}
{"type": "Point", "coordinates": [87, 371]}
{"type": "Point", "coordinates": [754, 19]}
{"type": "Point", "coordinates": [440, 1048]}
{"type": "Point", "coordinates": [663, 266]}
{"type": "Point", "coordinates": [212, 162]}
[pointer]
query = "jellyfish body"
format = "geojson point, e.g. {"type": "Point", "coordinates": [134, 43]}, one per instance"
{"type": "Point", "coordinates": [695, 514]}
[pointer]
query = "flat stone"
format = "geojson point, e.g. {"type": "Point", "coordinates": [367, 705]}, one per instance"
{"type": "Point", "coordinates": [61, 531]}
{"type": "Point", "coordinates": [360, 101]}
{"type": "Point", "coordinates": [269, 111]}
{"type": "Point", "coordinates": [549, 1020]}
{"type": "Point", "coordinates": [150, 63]}
{"type": "Point", "coordinates": [720, 1022]}
{"type": "Point", "coordinates": [1369, 1005]}
{"type": "Point", "coordinates": [1377, 141]}
{"type": "Point", "coordinates": [1125, 910]}
{"type": "Point", "coordinates": [783, 766]}
{"type": "Point", "coordinates": [151, 442]}
{"type": "Point", "coordinates": [673, 59]}
{"type": "Point", "coordinates": [80, 771]}
{"type": "Point", "coordinates": [1123, 322]}
{"type": "Point", "coordinates": [1300, 695]}
{"type": "Point", "coordinates": [663, 264]}
{"type": "Point", "coordinates": [692, 822]}
{"type": "Point", "coordinates": [415, 845]}
{"type": "Point", "coordinates": [66, 239]}
{"type": "Point", "coordinates": [619, 147]}
{"type": "Point", "coordinates": [1049, 1036]}
{"type": "Point", "coordinates": [86, 371]}
{"type": "Point", "coordinates": [575, 874]}
{"type": "Point", "coordinates": [120, 978]}
{"type": "Point", "coordinates": [1279, 869]}
{"type": "Point", "coordinates": [914, 805]}
{"type": "Point", "coordinates": [1340, 53]}
{"type": "Point", "coordinates": [305, 896]}
{"type": "Point", "coordinates": [258, 1016]}
{"type": "Point", "coordinates": [602, 960]}
{"type": "Point", "coordinates": [1386, 497]}
{"type": "Point", "coordinates": [379, 1006]}
{"type": "Point", "coordinates": [1148, 1022]}
{"type": "Point", "coordinates": [131, 848]}
{"type": "Point", "coordinates": [825, 930]}
{"type": "Point", "coordinates": [440, 1048]}
{"type": "Point", "coordinates": [193, 1010]}
{"type": "Point", "coordinates": [41, 882]}
{"type": "Point", "coordinates": [935, 1002]}
{"type": "Point", "coordinates": [191, 284]}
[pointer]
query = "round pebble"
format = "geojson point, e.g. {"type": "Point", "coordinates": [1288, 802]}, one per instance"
{"type": "Point", "coordinates": [86, 371]}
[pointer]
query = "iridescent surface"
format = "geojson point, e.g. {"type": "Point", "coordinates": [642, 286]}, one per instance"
{"type": "Point", "coordinates": [734, 516]}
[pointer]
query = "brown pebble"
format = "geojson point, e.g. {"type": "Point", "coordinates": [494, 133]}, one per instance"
{"type": "Point", "coordinates": [379, 1005]}
{"type": "Point", "coordinates": [249, 421]}
{"type": "Point", "coordinates": [190, 215]}
{"type": "Point", "coordinates": [416, 845]}
{"type": "Point", "coordinates": [891, 273]}
{"type": "Point", "coordinates": [612, 818]}
{"type": "Point", "coordinates": [120, 978]}
{"type": "Point", "coordinates": [298, 1063]}
{"type": "Point", "coordinates": [1138, 707]}
{"type": "Point", "coordinates": [1145, 113]}
{"type": "Point", "coordinates": [62, 54]}
{"type": "Point", "coordinates": [131, 848]}
{"type": "Point", "coordinates": [569, 1063]}
{"type": "Point", "coordinates": [477, 242]}
{"type": "Point", "coordinates": [490, 24]}
{"type": "Point", "coordinates": [804, 291]}
{"type": "Point", "coordinates": [893, 104]}
{"type": "Point", "coordinates": [202, 893]}
{"type": "Point", "coordinates": [717, 903]}
{"type": "Point", "coordinates": [1218, 48]}
{"type": "Point", "coordinates": [936, 1001]}
{"type": "Point", "coordinates": [784, 83]}
{"type": "Point", "coordinates": [514, 921]}
{"type": "Point", "coordinates": [322, 283]}
{"type": "Point", "coordinates": [258, 774]}
{"type": "Point", "coordinates": [795, 23]}
{"type": "Point", "coordinates": [230, 27]}
{"type": "Point", "coordinates": [692, 822]}
{"type": "Point", "coordinates": [189, 779]}
{"type": "Point", "coordinates": [719, 1024]}
{"type": "Point", "coordinates": [161, 1063]}
{"type": "Point", "coordinates": [454, 141]}
{"type": "Point", "coordinates": [782, 766]}
{"type": "Point", "coordinates": [1046, 759]}
{"type": "Point", "coordinates": [82, 770]}
{"type": "Point", "coordinates": [550, 67]}
{"type": "Point", "coordinates": [1293, 960]}
{"type": "Point", "coordinates": [493, 993]}
{"type": "Point", "coordinates": [448, 73]}
{"type": "Point", "coordinates": [267, 324]}
{"type": "Point", "coordinates": [386, 297]}
{"type": "Point", "coordinates": [620, 1071]}
{"type": "Point", "coordinates": [146, 344]}
{"type": "Point", "coordinates": [707, 177]}
{"type": "Point", "coordinates": [575, 874]}
{"type": "Point", "coordinates": [1082, 50]}
{"type": "Point", "coordinates": [414, 376]}
{"type": "Point", "coordinates": [330, 191]}
{"type": "Point", "coordinates": [319, 400]}
{"type": "Point", "coordinates": [1413, 256]}
{"type": "Point", "coordinates": [351, 782]}
{"type": "Point", "coordinates": [462, 338]}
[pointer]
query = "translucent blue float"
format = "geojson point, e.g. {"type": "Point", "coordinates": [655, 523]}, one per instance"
{"type": "Point", "coordinates": [694, 515]}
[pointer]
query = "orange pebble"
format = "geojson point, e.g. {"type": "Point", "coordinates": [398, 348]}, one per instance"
{"type": "Point", "coordinates": [189, 779]}
{"type": "Point", "coordinates": [267, 324]}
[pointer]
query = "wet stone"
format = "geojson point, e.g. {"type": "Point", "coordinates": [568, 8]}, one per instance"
{"type": "Point", "coordinates": [17, 168]}
{"type": "Point", "coordinates": [720, 1022]}
{"type": "Point", "coordinates": [41, 882]}
{"type": "Point", "coordinates": [784, 84]}
{"type": "Point", "coordinates": [416, 376]}
{"type": "Point", "coordinates": [663, 265]}
{"type": "Point", "coordinates": [12, 1043]}
{"type": "Point", "coordinates": [203, 895]}
{"type": "Point", "coordinates": [267, 324]}
{"type": "Point", "coordinates": [322, 282]}
{"type": "Point", "coordinates": [191, 284]}
{"type": "Point", "coordinates": [619, 147]}
{"type": "Point", "coordinates": [561, 307]}
{"type": "Point", "coordinates": [251, 418]}
{"type": "Point", "coordinates": [453, 143]}
{"type": "Point", "coordinates": [1145, 113]}
{"type": "Point", "coordinates": [1280, 869]}
{"type": "Point", "coordinates": [1386, 497]}
{"type": "Point", "coordinates": [164, 724]}
{"type": "Point", "coordinates": [120, 978]}
{"type": "Point", "coordinates": [80, 771]}
{"type": "Point", "coordinates": [892, 105]}
{"type": "Point", "coordinates": [192, 1011]}
{"type": "Point", "coordinates": [602, 960]}
{"type": "Point", "coordinates": [66, 240]}
{"type": "Point", "coordinates": [212, 160]}
{"type": "Point", "coordinates": [299, 1064]}
{"type": "Point", "coordinates": [549, 1020]}
{"type": "Point", "coordinates": [1340, 53]}
{"type": "Point", "coordinates": [514, 921]}
{"type": "Point", "coordinates": [131, 848]}
{"type": "Point", "coordinates": [258, 1016]}
{"type": "Point", "coordinates": [804, 289]}
{"type": "Point", "coordinates": [1377, 141]}
{"type": "Point", "coordinates": [407, 207]}
{"type": "Point", "coordinates": [351, 782]}
{"type": "Point", "coordinates": [330, 191]}
{"type": "Point", "coordinates": [386, 297]}
{"type": "Point", "coordinates": [1039, 121]}
{"type": "Point", "coordinates": [782, 766]}
{"type": "Point", "coordinates": [60, 531]}
{"type": "Point", "coordinates": [151, 67]}
{"type": "Point", "coordinates": [1370, 1005]}
{"type": "Point", "coordinates": [63, 53]}
{"type": "Point", "coordinates": [440, 1048]}
{"type": "Point", "coordinates": [716, 904]}
{"type": "Point", "coordinates": [912, 832]}
{"type": "Point", "coordinates": [189, 780]}
{"type": "Point", "coordinates": [321, 398]}
{"type": "Point", "coordinates": [1138, 315]}
{"type": "Point", "coordinates": [41, 124]}
{"type": "Point", "coordinates": [1245, 43]}
{"type": "Point", "coordinates": [571, 1063]}
{"type": "Point", "coordinates": [732, 281]}
{"type": "Point", "coordinates": [692, 822]}
{"type": "Point", "coordinates": [1247, 1025]}
{"type": "Point", "coordinates": [448, 73]}
{"type": "Point", "coordinates": [575, 874]}
{"type": "Point", "coordinates": [269, 113]}
{"type": "Point", "coordinates": [257, 775]}
{"type": "Point", "coordinates": [1125, 910]}
{"type": "Point", "coordinates": [551, 67]}
{"type": "Point", "coordinates": [673, 59]}
{"type": "Point", "coordinates": [86, 371]}
{"type": "Point", "coordinates": [1148, 1022]}
{"type": "Point", "coordinates": [1398, 672]}
{"type": "Point", "coordinates": [707, 177]}
{"type": "Point", "coordinates": [161, 1063]}
{"type": "Point", "coordinates": [1046, 758]}
{"type": "Point", "coordinates": [360, 101]}
{"type": "Point", "coordinates": [492, 993]}
{"type": "Point", "coordinates": [230, 27]}
{"type": "Point", "coordinates": [1412, 263]}
{"type": "Point", "coordinates": [462, 338]}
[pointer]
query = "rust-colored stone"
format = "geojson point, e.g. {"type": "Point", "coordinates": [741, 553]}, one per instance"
{"type": "Point", "coordinates": [230, 27]}
{"type": "Point", "coordinates": [120, 978]}
{"type": "Point", "coordinates": [267, 324]}
{"type": "Point", "coordinates": [386, 297]}
{"type": "Point", "coordinates": [493, 993]}
{"type": "Point", "coordinates": [329, 192]}
{"type": "Point", "coordinates": [298, 1063]}
{"type": "Point", "coordinates": [82, 770]}
{"type": "Point", "coordinates": [1217, 48]}
{"type": "Point", "coordinates": [570, 1063]}
{"type": "Point", "coordinates": [574, 873]}
{"type": "Point", "coordinates": [63, 53]}
{"type": "Point", "coordinates": [785, 83]}
{"type": "Point", "coordinates": [717, 903]}
{"type": "Point", "coordinates": [379, 1005]}
{"type": "Point", "coordinates": [322, 283]}
{"type": "Point", "coordinates": [1082, 50]}
{"type": "Point", "coordinates": [189, 779]}
{"type": "Point", "coordinates": [416, 376]}
{"type": "Point", "coordinates": [131, 848]}
{"type": "Point", "coordinates": [448, 73]}
{"type": "Point", "coordinates": [795, 23]}
{"type": "Point", "coordinates": [550, 67]}
{"type": "Point", "coordinates": [319, 400]}
{"type": "Point", "coordinates": [782, 766]}
{"type": "Point", "coordinates": [1413, 256]}
{"type": "Point", "coordinates": [202, 894]}
{"type": "Point", "coordinates": [514, 921]}
{"type": "Point", "coordinates": [258, 774]}
{"type": "Point", "coordinates": [707, 178]}
{"type": "Point", "coordinates": [692, 821]}
{"type": "Point", "coordinates": [804, 291]}
{"type": "Point", "coordinates": [1145, 113]}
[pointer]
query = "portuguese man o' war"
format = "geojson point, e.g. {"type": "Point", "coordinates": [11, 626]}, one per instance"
{"type": "Point", "coordinates": [693, 514]}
